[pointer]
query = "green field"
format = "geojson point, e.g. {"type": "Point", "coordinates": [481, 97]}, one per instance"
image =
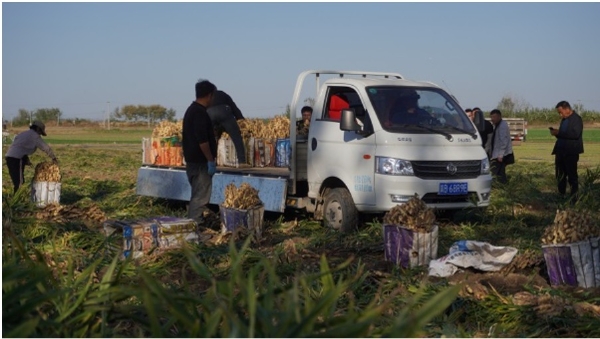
{"type": "Point", "coordinates": [538, 146]}
{"type": "Point", "coordinates": [75, 135]}
{"type": "Point", "coordinates": [86, 135]}
{"type": "Point", "coordinates": [539, 134]}
{"type": "Point", "coordinates": [61, 277]}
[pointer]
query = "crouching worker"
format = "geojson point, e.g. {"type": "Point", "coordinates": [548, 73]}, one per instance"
{"type": "Point", "coordinates": [24, 145]}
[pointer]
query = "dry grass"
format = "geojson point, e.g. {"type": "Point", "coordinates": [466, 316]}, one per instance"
{"type": "Point", "coordinates": [105, 175]}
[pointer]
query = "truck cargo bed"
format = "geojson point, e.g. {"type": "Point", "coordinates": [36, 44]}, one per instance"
{"type": "Point", "coordinates": [172, 183]}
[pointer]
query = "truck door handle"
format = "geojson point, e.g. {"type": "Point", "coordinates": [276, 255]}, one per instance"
{"type": "Point", "coordinates": [313, 144]}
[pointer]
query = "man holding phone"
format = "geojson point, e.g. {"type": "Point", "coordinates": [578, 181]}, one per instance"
{"type": "Point", "coordinates": [568, 146]}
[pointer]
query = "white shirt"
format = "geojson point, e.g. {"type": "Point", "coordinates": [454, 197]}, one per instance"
{"type": "Point", "coordinates": [26, 143]}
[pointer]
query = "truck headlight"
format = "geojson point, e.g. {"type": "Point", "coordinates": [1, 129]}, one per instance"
{"type": "Point", "coordinates": [485, 166]}
{"type": "Point", "coordinates": [392, 166]}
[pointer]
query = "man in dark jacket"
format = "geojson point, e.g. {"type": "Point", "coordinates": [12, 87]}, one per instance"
{"type": "Point", "coordinates": [485, 133]}
{"type": "Point", "coordinates": [224, 112]}
{"type": "Point", "coordinates": [199, 149]}
{"type": "Point", "coordinates": [568, 146]}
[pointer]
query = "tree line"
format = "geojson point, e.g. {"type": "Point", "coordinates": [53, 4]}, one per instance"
{"type": "Point", "coordinates": [137, 113]}
{"type": "Point", "coordinates": [510, 106]}
{"type": "Point", "coordinates": [25, 117]}
{"type": "Point", "coordinates": [127, 113]}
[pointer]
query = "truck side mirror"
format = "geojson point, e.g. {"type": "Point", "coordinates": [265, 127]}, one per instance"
{"type": "Point", "coordinates": [479, 121]}
{"type": "Point", "coordinates": [348, 121]}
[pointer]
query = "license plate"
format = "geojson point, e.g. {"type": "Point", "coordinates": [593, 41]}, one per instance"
{"type": "Point", "coordinates": [453, 188]}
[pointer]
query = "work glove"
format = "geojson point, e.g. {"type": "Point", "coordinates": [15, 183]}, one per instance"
{"type": "Point", "coordinates": [212, 168]}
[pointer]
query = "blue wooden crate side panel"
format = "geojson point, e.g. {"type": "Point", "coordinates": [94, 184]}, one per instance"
{"type": "Point", "coordinates": [173, 184]}
{"type": "Point", "coordinates": [163, 183]}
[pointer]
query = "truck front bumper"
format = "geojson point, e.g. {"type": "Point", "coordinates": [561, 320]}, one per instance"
{"type": "Point", "coordinates": [394, 190]}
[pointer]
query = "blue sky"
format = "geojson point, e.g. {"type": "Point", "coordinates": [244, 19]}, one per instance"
{"type": "Point", "coordinates": [79, 56]}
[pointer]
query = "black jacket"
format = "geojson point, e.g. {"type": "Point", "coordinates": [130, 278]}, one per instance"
{"type": "Point", "coordinates": [197, 129]}
{"type": "Point", "coordinates": [488, 129]}
{"type": "Point", "coordinates": [222, 98]}
{"type": "Point", "coordinates": [570, 136]}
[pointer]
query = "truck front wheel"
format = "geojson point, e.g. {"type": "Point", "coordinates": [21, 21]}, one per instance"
{"type": "Point", "coordinates": [339, 211]}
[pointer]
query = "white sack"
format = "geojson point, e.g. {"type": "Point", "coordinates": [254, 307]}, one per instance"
{"type": "Point", "coordinates": [468, 253]}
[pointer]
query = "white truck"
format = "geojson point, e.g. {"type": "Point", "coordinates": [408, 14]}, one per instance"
{"type": "Point", "coordinates": [375, 140]}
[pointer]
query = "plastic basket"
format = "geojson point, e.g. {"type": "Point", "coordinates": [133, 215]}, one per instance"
{"type": "Point", "coordinates": [232, 218]}
{"type": "Point", "coordinates": [575, 264]}
{"type": "Point", "coordinates": [45, 192]}
{"type": "Point", "coordinates": [408, 248]}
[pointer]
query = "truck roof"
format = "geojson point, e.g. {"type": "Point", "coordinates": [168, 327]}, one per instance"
{"type": "Point", "coordinates": [365, 82]}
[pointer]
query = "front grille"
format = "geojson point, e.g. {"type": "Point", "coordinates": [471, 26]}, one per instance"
{"type": "Point", "coordinates": [434, 198]}
{"type": "Point", "coordinates": [439, 169]}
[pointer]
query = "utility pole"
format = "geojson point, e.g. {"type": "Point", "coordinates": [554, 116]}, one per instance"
{"type": "Point", "coordinates": [108, 113]}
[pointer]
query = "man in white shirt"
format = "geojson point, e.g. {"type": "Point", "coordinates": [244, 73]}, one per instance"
{"type": "Point", "coordinates": [24, 145]}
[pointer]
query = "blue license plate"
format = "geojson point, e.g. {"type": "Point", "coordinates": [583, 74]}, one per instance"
{"type": "Point", "coordinates": [453, 188]}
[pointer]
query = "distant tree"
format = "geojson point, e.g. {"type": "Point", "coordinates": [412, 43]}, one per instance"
{"type": "Point", "coordinates": [127, 113]}
{"type": "Point", "coordinates": [288, 111]}
{"type": "Point", "coordinates": [47, 114]}
{"type": "Point", "coordinates": [150, 114]}
{"type": "Point", "coordinates": [170, 114]}
{"type": "Point", "coordinates": [115, 115]}
{"type": "Point", "coordinates": [512, 104]}
{"type": "Point", "coordinates": [506, 105]}
{"type": "Point", "coordinates": [23, 118]}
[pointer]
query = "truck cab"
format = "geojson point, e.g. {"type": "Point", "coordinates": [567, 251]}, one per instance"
{"type": "Point", "coordinates": [376, 140]}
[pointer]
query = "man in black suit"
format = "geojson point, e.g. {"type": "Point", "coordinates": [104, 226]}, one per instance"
{"type": "Point", "coordinates": [485, 133]}
{"type": "Point", "coordinates": [568, 146]}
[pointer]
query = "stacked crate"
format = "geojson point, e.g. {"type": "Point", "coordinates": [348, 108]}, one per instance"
{"type": "Point", "coordinates": [144, 236]}
{"type": "Point", "coordinates": [167, 151]}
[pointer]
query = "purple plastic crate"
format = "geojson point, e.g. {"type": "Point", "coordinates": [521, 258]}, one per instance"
{"type": "Point", "coordinates": [233, 218]}
{"type": "Point", "coordinates": [574, 264]}
{"type": "Point", "coordinates": [407, 248]}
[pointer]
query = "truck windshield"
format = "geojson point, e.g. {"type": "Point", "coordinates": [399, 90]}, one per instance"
{"type": "Point", "coordinates": [405, 109]}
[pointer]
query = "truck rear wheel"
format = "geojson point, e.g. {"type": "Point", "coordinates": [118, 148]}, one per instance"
{"type": "Point", "coordinates": [339, 211]}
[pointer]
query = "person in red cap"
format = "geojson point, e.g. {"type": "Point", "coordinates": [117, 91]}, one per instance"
{"type": "Point", "coordinates": [24, 145]}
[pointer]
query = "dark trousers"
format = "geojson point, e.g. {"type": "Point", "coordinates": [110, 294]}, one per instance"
{"type": "Point", "coordinates": [16, 170]}
{"type": "Point", "coordinates": [566, 170]}
{"type": "Point", "coordinates": [499, 171]}
{"type": "Point", "coordinates": [222, 115]}
{"type": "Point", "coordinates": [201, 183]}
